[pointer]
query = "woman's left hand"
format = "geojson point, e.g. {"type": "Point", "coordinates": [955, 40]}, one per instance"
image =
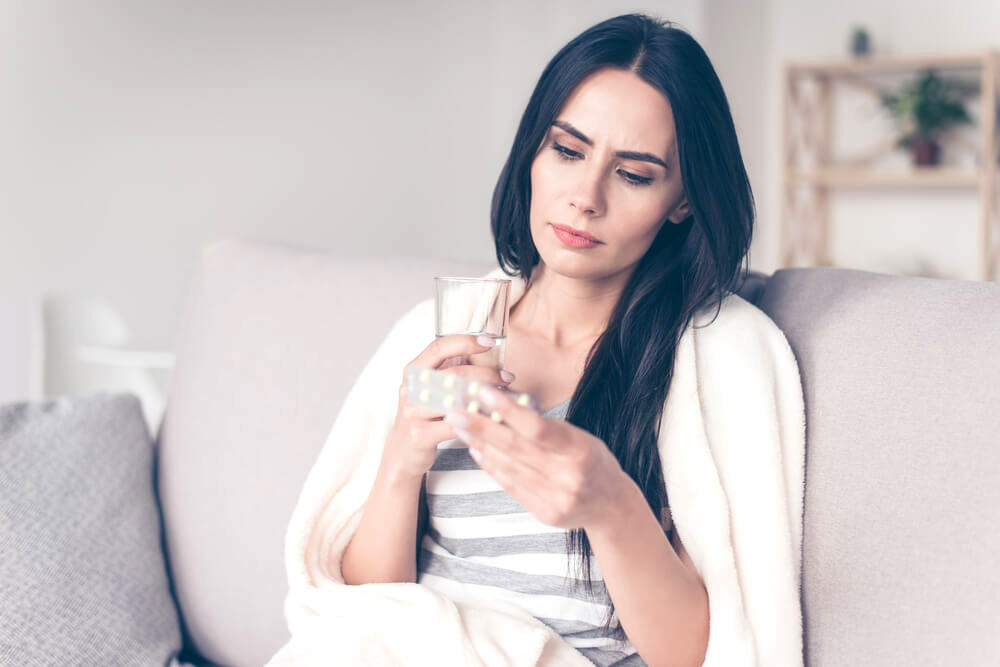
{"type": "Point", "coordinates": [562, 474]}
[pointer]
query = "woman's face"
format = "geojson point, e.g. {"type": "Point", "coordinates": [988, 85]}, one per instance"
{"type": "Point", "coordinates": [607, 167]}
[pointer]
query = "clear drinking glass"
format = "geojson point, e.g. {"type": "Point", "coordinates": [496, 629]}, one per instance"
{"type": "Point", "coordinates": [474, 306]}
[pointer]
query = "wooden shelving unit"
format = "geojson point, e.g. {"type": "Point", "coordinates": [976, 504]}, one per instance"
{"type": "Point", "coordinates": [809, 173]}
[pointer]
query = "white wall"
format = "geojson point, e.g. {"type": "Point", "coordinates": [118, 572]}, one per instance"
{"type": "Point", "coordinates": [735, 35]}
{"type": "Point", "coordinates": [142, 130]}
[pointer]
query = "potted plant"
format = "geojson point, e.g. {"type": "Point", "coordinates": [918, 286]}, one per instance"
{"type": "Point", "coordinates": [924, 109]}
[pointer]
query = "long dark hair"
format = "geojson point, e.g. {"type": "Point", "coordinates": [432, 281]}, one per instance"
{"type": "Point", "coordinates": [689, 267]}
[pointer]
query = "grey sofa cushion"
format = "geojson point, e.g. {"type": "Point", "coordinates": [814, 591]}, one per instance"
{"type": "Point", "coordinates": [752, 286]}
{"type": "Point", "coordinates": [82, 573]}
{"type": "Point", "coordinates": [901, 377]}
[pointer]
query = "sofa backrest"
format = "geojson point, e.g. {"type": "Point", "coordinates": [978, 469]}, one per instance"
{"type": "Point", "coordinates": [271, 339]}
{"type": "Point", "coordinates": [901, 379]}
{"type": "Point", "coordinates": [901, 392]}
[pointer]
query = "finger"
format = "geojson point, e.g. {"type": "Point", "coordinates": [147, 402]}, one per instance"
{"type": "Point", "coordinates": [518, 483]}
{"type": "Point", "coordinates": [423, 413]}
{"type": "Point", "coordinates": [437, 432]}
{"type": "Point", "coordinates": [451, 362]}
{"type": "Point", "coordinates": [446, 347]}
{"type": "Point", "coordinates": [525, 421]}
{"type": "Point", "coordinates": [521, 480]}
{"type": "Point", "coordinates": [502, 439]}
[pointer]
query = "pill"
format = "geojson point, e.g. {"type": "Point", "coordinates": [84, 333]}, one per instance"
{"type": "Point", "coordinates": [425, 396]}
{"type": "Point", "coordinates": [524, 400]}
{"type": "Point", "coordinates": [449, 381]}
{"type": "Point", "coordinates": [473, 388]}
{"type": "Point", "coordinates": [495, 416]}
{"type": "Point", "coordinates": [473, 406]}
{"type": "Point", "coordinates": [449, 401]}
{"type": "Point", "coordinates": [425, 376]}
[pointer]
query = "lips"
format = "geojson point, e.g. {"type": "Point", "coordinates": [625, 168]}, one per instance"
{"type": "Point", "coordinates": [574, 238]}
{"type": "Point", "coordinates": [576, 232]}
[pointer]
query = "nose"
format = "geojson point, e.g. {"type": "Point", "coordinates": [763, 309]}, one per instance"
{"type": "Point", "coordinates": [588, 194]}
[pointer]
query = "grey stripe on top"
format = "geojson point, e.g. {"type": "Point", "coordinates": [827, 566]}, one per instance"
{"type": "Point", "coordinates": [542, 543]}
{"type": "Point", "coordinates": [454, 459]}
{"type": "Point", "coordinates": [489, 503]}
{"type": "Point", "coordinates": [468, 572]}
{"type": "Point", "coordinates": [557, 411]}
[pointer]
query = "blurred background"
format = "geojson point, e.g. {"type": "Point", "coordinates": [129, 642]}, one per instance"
{"type": "Point", "coordinates": [133, 133]}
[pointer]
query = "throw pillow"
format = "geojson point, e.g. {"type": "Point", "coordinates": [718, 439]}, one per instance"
{"type": "Point", "coordinates": [83, 579]}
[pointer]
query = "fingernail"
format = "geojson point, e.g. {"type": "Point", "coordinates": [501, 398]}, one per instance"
{"type": "Point", "coordinates": [486, 341]}
{"type": "Point", "coordinates": [476, 456]}
{"type": "Point", "coordinates": [506, 376]}
{"type": "Point", "coordinates": [457, 419]}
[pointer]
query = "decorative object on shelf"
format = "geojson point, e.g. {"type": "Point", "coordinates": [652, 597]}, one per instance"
{"type": "Point", "coordinates": [924, 109]}
{"type": "Point", "coordinates": [860, 41]}
{"type": "Point", "coordinates": [85, 346]}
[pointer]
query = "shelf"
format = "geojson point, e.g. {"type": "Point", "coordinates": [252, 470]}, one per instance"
{"type": "Point", "coordinates": [117, 356]}
{"type": "Point", "coordinates": [915, 177]}
{"type": "Point", "coordinates": [889, 64]}
{"type": "Point", "coordinates": [809, 91]}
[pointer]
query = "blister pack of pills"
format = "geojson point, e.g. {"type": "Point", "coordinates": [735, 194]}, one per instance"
{"type": "Point", "coordinates": [444, 391]}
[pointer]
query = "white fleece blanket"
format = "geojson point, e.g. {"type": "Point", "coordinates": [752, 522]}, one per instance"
{"type": "Point", "coordinates": [732, 445]}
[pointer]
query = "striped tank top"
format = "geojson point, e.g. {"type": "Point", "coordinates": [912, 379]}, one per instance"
{"type": "Point", "coordinates": [482, 544]}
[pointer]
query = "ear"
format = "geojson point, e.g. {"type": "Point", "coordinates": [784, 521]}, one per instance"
{"type": "Point", "coordinates": [680, 212]}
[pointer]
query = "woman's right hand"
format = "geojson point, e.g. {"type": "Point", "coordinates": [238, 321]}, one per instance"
{"type": "Point", "coordinates": [412, 444]}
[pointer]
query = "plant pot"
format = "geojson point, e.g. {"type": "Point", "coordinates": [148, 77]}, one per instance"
{"type": "Point", "coordinates": [926, 152]}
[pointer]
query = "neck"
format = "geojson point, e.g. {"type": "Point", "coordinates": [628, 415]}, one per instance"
{"type": "Point", "coordinates": [566, 311]}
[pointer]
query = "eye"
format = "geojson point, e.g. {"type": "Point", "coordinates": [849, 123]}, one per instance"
{"type": "Point", "coordinates": [565, 153]}
{"type": "Point", "coordinates": [634, 179]}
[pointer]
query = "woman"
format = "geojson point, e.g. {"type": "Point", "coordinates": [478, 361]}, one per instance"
{"type": "Point", "coordinates": [625, 208]}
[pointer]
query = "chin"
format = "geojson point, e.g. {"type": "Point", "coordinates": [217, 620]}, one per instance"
{"type": "Point", "coordinates": [570, 265]}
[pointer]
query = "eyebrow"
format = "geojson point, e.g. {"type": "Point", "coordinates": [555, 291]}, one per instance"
{"type": "Point", "coordinates": [628, 155]}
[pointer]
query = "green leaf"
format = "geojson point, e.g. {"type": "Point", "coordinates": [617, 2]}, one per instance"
{"type": "Point", "coordinates": [928, 105]}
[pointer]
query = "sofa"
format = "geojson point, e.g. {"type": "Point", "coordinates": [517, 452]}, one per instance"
{"type": "Point", "coordinates": [901, 378]}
